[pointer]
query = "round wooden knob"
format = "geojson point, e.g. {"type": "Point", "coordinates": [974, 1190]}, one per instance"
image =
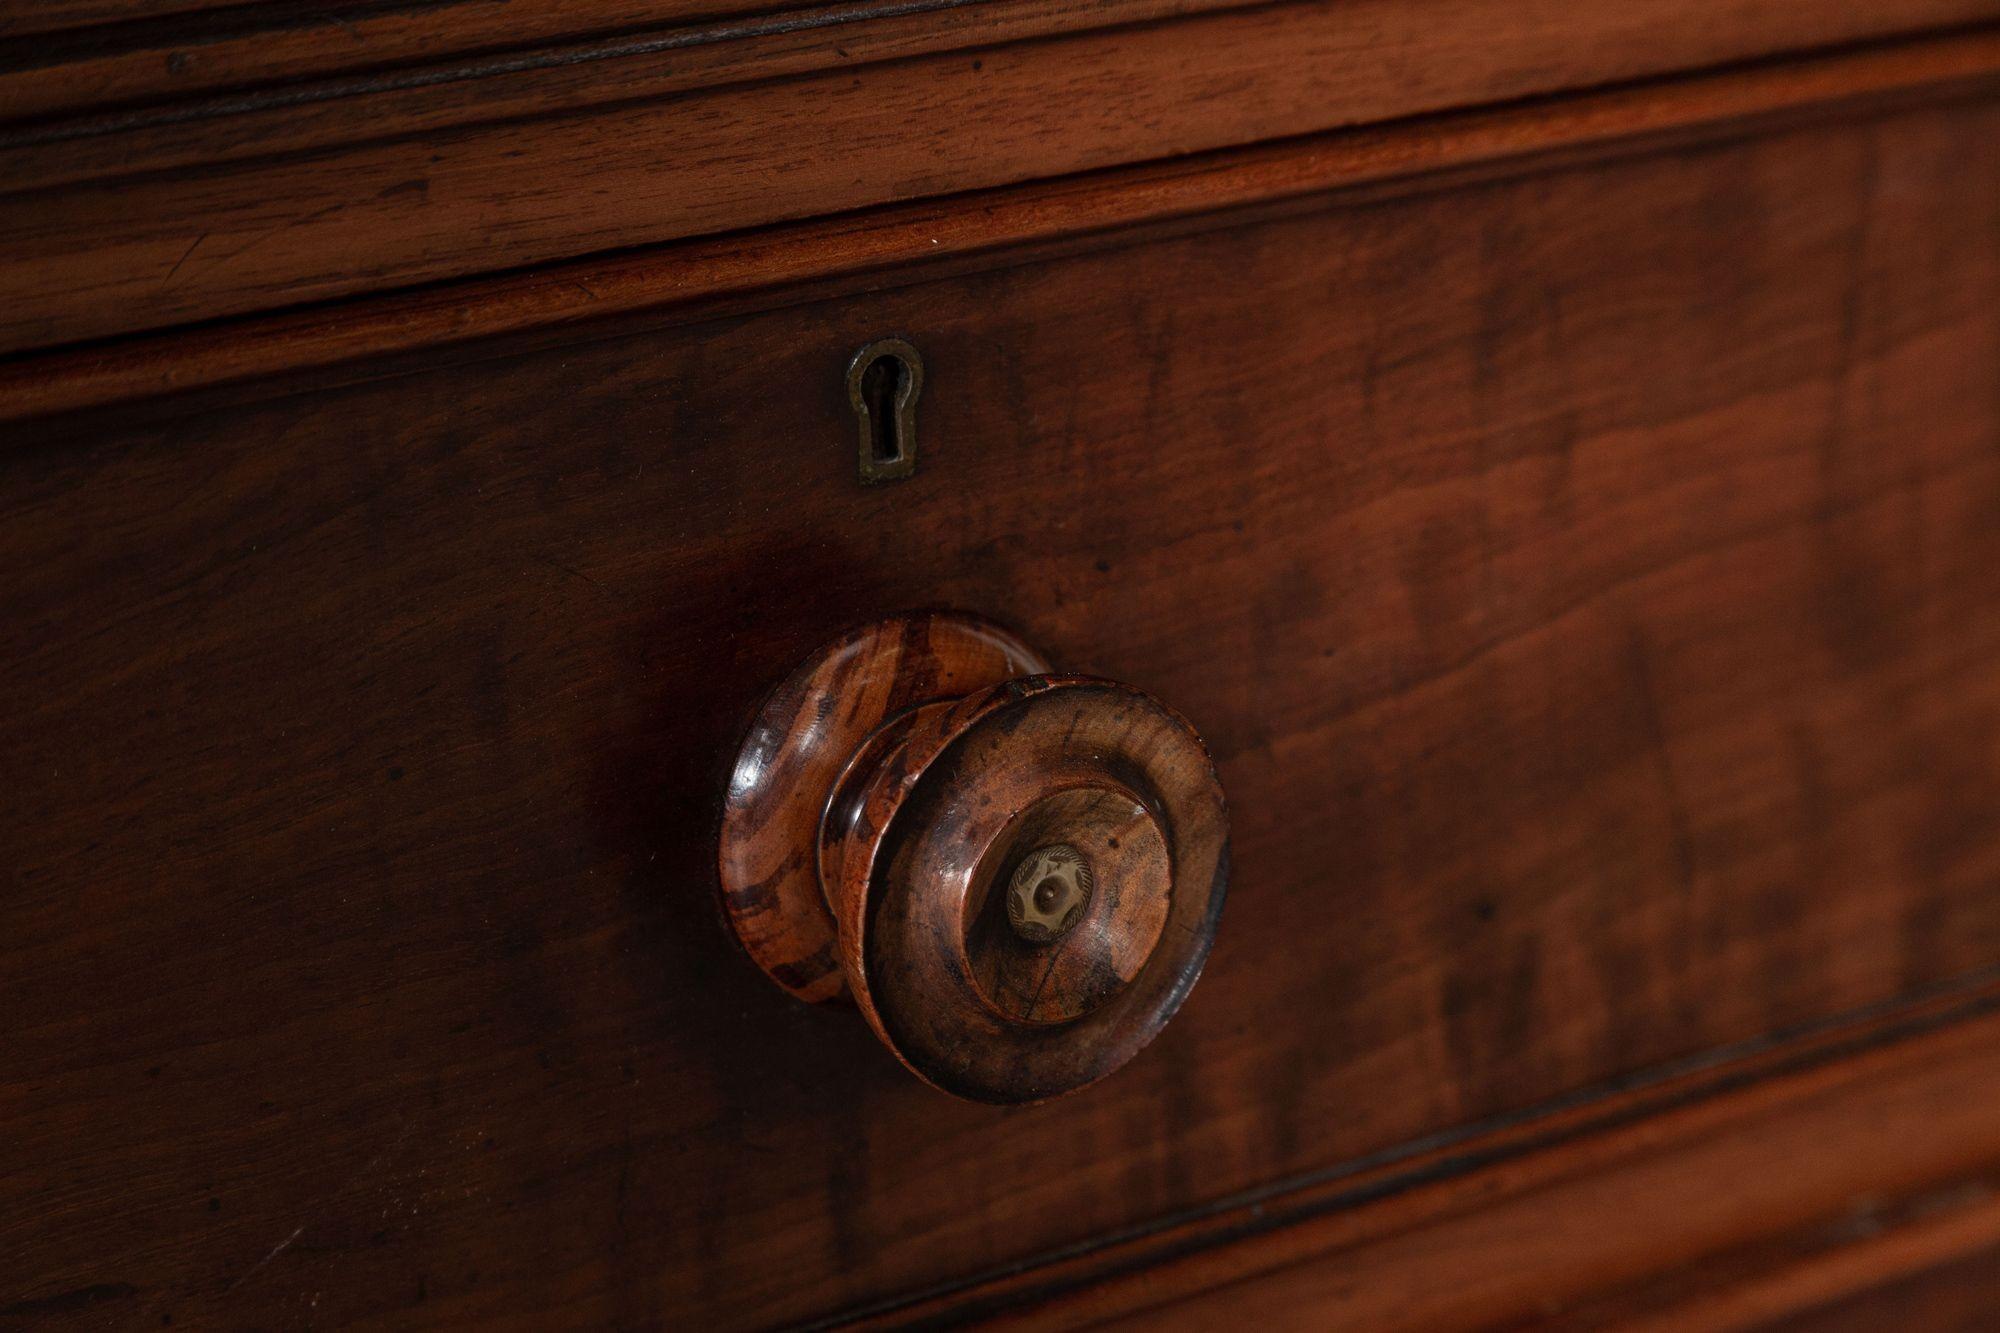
{"type": "Point", "coordinates": [1013, 874]}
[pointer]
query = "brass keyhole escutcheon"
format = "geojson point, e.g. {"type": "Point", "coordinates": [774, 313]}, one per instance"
{"type": "Point", "coordinates": [1048, 893]}
{"type": "Point", "coordinates": [883, 382]}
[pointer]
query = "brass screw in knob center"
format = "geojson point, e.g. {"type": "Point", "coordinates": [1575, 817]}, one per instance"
{"type": "Point", "coordinates": [1048, 893]}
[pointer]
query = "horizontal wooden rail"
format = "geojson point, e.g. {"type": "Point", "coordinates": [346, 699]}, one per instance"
{"type": "Point", "coordinates": [699, 279]}
{"type": "Point", "coordinates": [165, 216]}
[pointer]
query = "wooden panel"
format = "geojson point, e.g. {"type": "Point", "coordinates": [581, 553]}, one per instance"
{"type": "Point", "coordinates": [189, 217]}
{"type": "Point", "coordinates": [1584, 581]}
{"type": "Point", "coordinates": [1782, 1201]}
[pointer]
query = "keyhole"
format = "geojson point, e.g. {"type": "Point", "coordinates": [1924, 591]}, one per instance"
{"type": "Point", "coordinates": [881, 384]}
{"type": "Point", "coordinates": [883, 381]}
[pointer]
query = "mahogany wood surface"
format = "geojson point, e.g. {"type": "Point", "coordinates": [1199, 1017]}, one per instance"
{"type": "Point", "coordinates": [1700, 1205]}
{"type": "Point", "coordinates": [896, 245]}
{"type": "Point", "coordinates": [90, 55]}
{"type": "Point", "coordinates": [1583, 578]}
{"type": "Point", "coordinates": [121, 220]}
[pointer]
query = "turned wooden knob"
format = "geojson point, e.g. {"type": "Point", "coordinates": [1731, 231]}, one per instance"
{"type": "Point", "coordinates": [1013, 874]}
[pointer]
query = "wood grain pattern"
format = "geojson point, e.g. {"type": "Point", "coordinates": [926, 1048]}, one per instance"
{"type": "Point", "coordinates": [527, 82]}
{"type": "Point", "coordinates": [1782, 1199]}
{"type": "Point", "coordinates": [817, 725]}
{"type": "Point", "coordinates": [917, 835]}
{"type": "Point", "coordinates": [77, 56]}
{"type": "Point", "coordinates": [896, 245]}
{"type": "Point", "coordinates": [407, 197]}
{"type": "Point", "coordinates": [189, 20]}
{"type": "Point", "coordinates": [1584, 581]}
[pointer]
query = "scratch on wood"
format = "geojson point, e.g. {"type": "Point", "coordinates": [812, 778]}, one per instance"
{"type": "Point", "coordinates": [276, 1250]}
{"type": "Point", "coordinates": [168, 281]}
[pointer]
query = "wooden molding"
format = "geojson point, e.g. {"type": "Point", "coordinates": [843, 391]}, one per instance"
{"type": "Point", "coordinates": [913, 242]}
{"type": "Point", "coordinates": [1718, 1197]}
{"type": "Point", "coordinates": [348, 105]}
{"type": "Point", "coordinates": [79, 56]}
{"type": "Point", "coordinates": [120, 218]}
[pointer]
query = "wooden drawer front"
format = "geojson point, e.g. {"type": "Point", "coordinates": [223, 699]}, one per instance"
{"type": "Point", "coordinates": [196, 167]}
{"type": "Point", "coordinates": [1585, 581]}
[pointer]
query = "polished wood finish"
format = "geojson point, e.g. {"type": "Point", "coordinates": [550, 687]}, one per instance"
{"type": "Point", "coordinates": [897, 245]}
{"type": "Point", "coordinates": [924, 846]}
{"type": "Point", "coordinates": [803, 738]}
{"type": "Point", "coordinates": [1582, 576]}
{"type": "Point", "coordinates": [1734, 1197]}
{"type": "Point", "coordinates": [139, 218]}
{"type": "Point", "coordinates": [78, 57]}
{"type": "Point", "coordinates": [1015, 875]}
